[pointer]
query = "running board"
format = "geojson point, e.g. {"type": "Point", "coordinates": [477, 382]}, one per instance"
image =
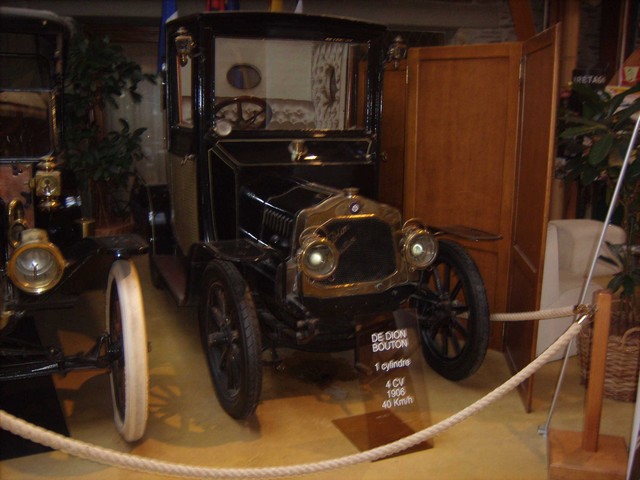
{"type": "Point", "coordinates": [173, 274]}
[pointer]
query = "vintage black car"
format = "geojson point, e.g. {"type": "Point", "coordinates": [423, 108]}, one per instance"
{"type": "Point", "coordinates": [268, 222]}
{"type": "Point", "coordinates": [47, 255]}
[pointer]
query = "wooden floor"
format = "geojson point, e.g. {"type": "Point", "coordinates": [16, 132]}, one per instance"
{"type": "Point", "coordinates": [301, 413]}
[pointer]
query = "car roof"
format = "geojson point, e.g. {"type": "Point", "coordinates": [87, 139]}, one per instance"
{"type": "Point", "coordinates": [277, 24]}
{"type": "Point", "coordinates": [26, 20]}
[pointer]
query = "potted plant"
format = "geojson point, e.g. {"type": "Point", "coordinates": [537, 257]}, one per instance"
{"type": "Point", "coordinates": [595, 140]}
{"type": "Point", "coordinates": [97, 74]}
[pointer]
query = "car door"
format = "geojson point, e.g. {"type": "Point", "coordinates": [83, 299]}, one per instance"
{"type": "Point", "coordinates": [182, 136]}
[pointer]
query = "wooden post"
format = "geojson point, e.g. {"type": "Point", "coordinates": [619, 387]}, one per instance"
{"type": "Point", "coordinates": [589, 455]}
{"type": "Point", "coordinates": [595, 388]}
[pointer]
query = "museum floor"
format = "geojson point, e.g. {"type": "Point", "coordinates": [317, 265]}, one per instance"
{"type": "Point", "coordinates": [298, 417]}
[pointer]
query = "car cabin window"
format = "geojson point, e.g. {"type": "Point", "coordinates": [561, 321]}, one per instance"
{"type": "Point", "coordinates": [278, 84]}
{"type": "Point", "coordinates": [185, 99]}
{"type": "Point", "coordinates": [26, 97]}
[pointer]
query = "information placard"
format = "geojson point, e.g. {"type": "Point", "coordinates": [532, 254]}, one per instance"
{"type": "Point", "coordinates": [391, 374]}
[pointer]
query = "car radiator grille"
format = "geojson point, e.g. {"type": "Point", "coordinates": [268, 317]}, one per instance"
{"type": "Point", "coordinates": [276, 223]}
{"type": "Point", "coordinates": [367, 251]}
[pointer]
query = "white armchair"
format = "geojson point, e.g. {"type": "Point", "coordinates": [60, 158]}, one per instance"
{"type": "Point", "coordinates": [571, 245]}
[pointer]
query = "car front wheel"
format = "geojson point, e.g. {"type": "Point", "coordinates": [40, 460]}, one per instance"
{"type": "Point", "coordinates": [127, 345]}
{"type": "Point", "coordinates": [230, 336]}
{"type": "Point", "coordinates": [453, 313]}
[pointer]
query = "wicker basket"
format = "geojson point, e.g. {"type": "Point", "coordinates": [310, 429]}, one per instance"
{"type": "Point", "coordinates": [622, 365]}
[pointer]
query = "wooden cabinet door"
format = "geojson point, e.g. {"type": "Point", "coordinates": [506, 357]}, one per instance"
{"type": "Point", "coordinates": [534, 172]}
{"type": "Point", "coordinates": [462, 118]}
{"type": "Point", "coordinates": [480, 138]}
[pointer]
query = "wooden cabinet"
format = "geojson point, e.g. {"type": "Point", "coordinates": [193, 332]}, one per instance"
{"type": "Point", "coordinates": [479, 132]}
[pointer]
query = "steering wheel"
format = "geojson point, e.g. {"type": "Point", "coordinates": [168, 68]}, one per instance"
{"type": "Point", "coordinates": [244, 113]}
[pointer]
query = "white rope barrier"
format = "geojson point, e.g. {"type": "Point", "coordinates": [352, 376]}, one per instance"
{"type": "Point", "coordinates": [539, 315]}
{"type": "Point", "coordinates": [132, 462]}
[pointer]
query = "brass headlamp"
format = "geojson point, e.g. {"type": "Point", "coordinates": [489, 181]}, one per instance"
{"type": "Point", "coordinates": [36, 265]}
{"type": "Point", "coordinates": [317, 257]}
{"type": "Point", "coordinates": [419, 247]}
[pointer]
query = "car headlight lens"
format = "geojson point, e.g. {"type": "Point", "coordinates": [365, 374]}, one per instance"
{"type": "Point", "coordinates": [318, 257]}
{"type": "Point", "coordinates": [420, 248]}
{"type": "Point", "coordinates": [37, 264]}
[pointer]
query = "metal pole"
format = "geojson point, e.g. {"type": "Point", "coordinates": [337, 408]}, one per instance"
{"type": "Point", "coordinates": [544, 430]}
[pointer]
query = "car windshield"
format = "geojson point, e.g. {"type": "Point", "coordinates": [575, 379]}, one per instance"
{"type": "Point", "coordinates": [25, 98]}
{"type": "Point", "coordinates": [278, 84]}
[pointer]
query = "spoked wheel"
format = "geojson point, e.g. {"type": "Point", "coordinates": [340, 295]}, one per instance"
{"type": "Point", "coordinates": [231, 339]}
{"type": "Point", "coordinates": [453, 313]}
{"type": "Point", "coordinates": [128, 350]}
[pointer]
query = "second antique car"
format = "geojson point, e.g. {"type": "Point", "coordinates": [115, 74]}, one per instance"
{"type": "Point", "coordinates": [269, 222]}
{"type": "Point", "coordinates": [48, 256]}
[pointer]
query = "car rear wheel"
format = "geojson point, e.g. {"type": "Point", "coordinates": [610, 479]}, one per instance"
{"type": "Point", "coordinates": [230, 336]}
{"type": "Point", "coordinates": [453, 313]}
{"type": "Point", "coordinates": [127, 345]}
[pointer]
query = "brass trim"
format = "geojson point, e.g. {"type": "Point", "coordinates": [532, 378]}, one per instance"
{"type": "Point", "coordinates": [17, 223]}
{"type": "Point", "coordinates": [340, 207]}
{"type": "Point", "coordinates": [185, 45]}
{"type": "Point", "coordinates": [48, 184]}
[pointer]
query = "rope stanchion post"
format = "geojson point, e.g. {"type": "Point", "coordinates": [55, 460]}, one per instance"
{"type": "Point", "coordinates": [587, 454]}
{"type": "Point", "coordinates": [595, 388]}
{"type": "Point", "coordinates": [612, 206]}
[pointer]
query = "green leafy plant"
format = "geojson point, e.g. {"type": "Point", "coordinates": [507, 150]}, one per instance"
{"type": "Point", "coordinates": [97, 74]}
{"type": "Point", "coordinates": [627, 279]}
{"type": "Point", "coordinates": [595, 141]}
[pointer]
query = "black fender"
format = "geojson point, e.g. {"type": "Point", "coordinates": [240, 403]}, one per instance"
{"type": "Point", "coordinates": [241, 252]}
{"type": "Point", "coordinates": [87, 265]}
{"type": "Point", "coordinates": [238, 251]}
{"type": "Point", "coordinates": [464, 232]}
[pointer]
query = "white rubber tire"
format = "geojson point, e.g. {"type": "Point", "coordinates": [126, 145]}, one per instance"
{"type": "Point", "coordinates": [131, 417]}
